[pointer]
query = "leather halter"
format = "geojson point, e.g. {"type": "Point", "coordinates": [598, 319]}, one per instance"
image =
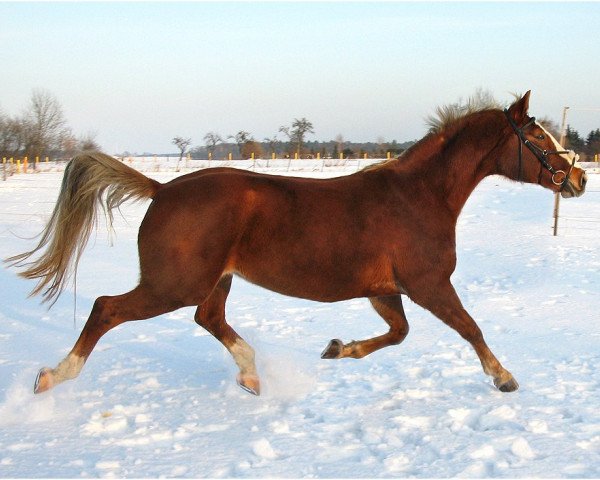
{"type": "Point", "coordinates": [540, 154]}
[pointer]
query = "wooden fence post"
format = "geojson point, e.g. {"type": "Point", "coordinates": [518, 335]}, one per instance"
{"type": "Point", "coordinates": [556, 209]}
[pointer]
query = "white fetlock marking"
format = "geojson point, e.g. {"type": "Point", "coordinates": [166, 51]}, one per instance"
{"type": "Point", "coordinates": [243, 354]}
{"type": "Point", "coordinates": [68, 368]}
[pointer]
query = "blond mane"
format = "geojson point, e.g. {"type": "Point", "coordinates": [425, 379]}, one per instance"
{"type": "Point", "coordinates": [447, 115]}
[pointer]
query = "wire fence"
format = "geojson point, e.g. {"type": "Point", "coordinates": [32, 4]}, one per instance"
{"type": "Point", "coordinates": [581, 216]}
{"type": "Point", "coordinates": [573, 219]}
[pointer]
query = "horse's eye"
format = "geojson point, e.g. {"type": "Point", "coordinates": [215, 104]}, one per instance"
{"type": "Point", "coordinates": [541, 136]}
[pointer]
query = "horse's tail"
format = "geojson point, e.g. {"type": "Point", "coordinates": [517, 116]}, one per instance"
{"type": "Point", "coordinates": [91, 180]}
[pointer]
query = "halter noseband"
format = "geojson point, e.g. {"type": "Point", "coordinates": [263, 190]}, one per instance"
{"type": "Point", "coordinates": [540, 154]}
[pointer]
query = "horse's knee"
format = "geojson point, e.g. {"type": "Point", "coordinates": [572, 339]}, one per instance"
{"type": "Point", "coordinates": [471, 333]}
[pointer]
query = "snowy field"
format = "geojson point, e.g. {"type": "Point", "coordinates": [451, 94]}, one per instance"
{"type": "Point", "coordinates": [158, 398]}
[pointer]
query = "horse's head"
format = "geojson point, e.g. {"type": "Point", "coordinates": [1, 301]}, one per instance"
{"type": "Point", "coordinates": [538, 156]}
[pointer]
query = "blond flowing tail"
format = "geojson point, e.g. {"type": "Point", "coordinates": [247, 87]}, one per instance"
{"type": "Point", "coordinates": [91, 180]}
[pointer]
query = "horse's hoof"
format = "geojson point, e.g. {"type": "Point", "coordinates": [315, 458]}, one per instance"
{"type": "Point", "coordinates": [333, 350]}
{"type": "Point", "coordinates": [44, 381]}
{"type": "Point", "coordinates": [249, 383]}
{"type": "Point", "coordinates": [509, 386]}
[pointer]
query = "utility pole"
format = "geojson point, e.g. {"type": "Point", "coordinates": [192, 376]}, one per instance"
{"type": "Point", "coordinates": [563, 134]}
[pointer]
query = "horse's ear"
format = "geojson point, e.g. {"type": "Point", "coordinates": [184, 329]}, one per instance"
{"type": "Point", "coordinates": [518, 110]}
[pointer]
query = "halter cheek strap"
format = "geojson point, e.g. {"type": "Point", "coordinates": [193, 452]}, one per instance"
{"type": "Point", "coordinates": [540, 154]}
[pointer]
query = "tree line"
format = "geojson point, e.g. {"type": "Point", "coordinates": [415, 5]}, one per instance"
{"type": "Point", "coordinates": [588, 148]}
{"type": "Point", "coordinates": [41, 130]}
{"type": "Point", "coordinates": [293, 144]}
{"type": "Point", "coordinates": [245, 146]}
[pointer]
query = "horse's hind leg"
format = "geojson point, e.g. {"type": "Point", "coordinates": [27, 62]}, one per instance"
{"type": "Point", "coordinates": [211, 316]}
{"type": "Point", "coordinates": [390, 309]}
{"type": "Point", "coordinates": [107, 313]}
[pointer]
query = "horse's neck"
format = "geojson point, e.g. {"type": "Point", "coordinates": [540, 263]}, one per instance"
{"type": "Point", "coordinates": [450, 170]}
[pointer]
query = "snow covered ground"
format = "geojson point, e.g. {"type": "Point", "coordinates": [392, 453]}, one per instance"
{"type": "Point", "coordinates": [158, 398]}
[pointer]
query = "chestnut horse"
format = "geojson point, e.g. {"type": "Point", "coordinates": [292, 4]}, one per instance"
{"type": "Point", "coordinates": [382, 232]}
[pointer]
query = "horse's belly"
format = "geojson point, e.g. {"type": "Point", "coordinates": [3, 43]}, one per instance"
{"type": "Point", "coordinates": [319, 282]}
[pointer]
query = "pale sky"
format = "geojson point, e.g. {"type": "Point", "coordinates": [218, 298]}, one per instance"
{"type": "Point", "coordinates": [140, 73]}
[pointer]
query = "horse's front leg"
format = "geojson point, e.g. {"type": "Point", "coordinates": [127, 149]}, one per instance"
{"type": "Point", "coordinates": [444, 303]}
{"type": "Point", "coordinates": [390, 309]}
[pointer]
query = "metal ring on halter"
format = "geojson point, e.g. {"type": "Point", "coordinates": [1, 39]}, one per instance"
{"type": "Point", "coordinates": [561, 183]}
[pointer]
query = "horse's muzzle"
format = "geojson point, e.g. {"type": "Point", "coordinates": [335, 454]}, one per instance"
{"type": "Point", "coordinates": [573, 187]}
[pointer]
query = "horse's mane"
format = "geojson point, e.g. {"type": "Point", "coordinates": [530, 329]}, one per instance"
{"type": "Point", "coordinates": [447, 115]}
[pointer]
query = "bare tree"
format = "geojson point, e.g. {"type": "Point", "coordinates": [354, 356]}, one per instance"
{"type": "Point", "coordinates": [88, 142]}
{"type": "Point", "coordinates": [41, 130]}
{"type": "Point", "coordinates": [12, 136]}
{"type": "Point", "coordinates": [45, 124]}
{"type": "Point", "coordinates": [182, 144]}
{"type": "Point", "coordinates": [71, 144]}
{"type": "Point", "coordinates": [286, 131]}
{"type": "Point", "coordinates": [339, 145]}
{"type": "Point", "coordinates": [251, 148]}
{"type": "Point", "coordinates": [297, 133]}
{"type": "Point", "coordinates": [212, 139]}
{"type": "Point", "coordinates": [299, 130]}
{"type": "Point", "coordinates": [380, 146]}
{"type": "Point", "coordinates": [272, 142]}
{"type": "Point", "coordinates": [240, 139]}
